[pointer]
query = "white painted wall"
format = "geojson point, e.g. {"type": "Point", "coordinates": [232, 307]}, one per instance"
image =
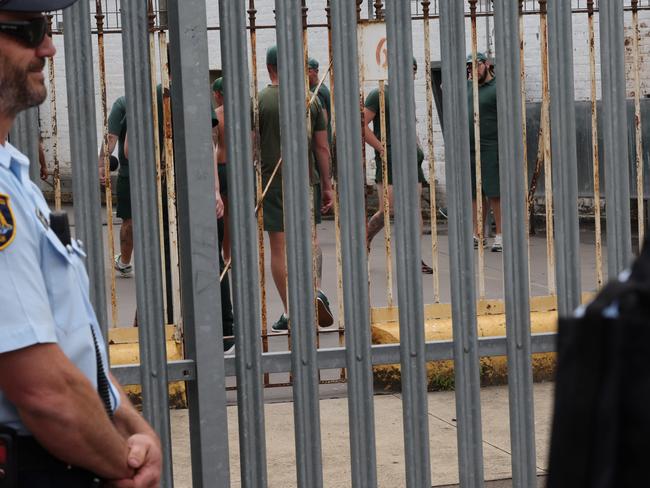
{"type": "Point", "coordinates": [318, 48]}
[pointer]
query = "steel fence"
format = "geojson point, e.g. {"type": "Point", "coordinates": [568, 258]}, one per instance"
{"type": "Point", "coordinates": [205, 369]}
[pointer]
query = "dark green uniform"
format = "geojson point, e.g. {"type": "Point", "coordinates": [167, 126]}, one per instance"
{"type": "Point", "coordinates": [489, 137]}
{"type": "Point", "coordinates": [325, 98]}
{"type": "Point", "coordinates": [270, 149]}
{"type": "Point", "coordinates": [372, 103]}
{"type": "Point", "coordinates": [117, 127]}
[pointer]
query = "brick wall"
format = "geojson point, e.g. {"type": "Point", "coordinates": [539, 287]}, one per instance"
{"type": "Point", "coordinates": [318, 48]}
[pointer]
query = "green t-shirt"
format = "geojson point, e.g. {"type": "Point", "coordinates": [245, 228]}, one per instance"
{"type": "Point", "coordinates": [117, 127]}
{"type": "Point", "coordinates": [325, 99]}
{"type": "Point", "coordinates": [487, 98]}
{"type": "Point", "coordinates": [270, 145]}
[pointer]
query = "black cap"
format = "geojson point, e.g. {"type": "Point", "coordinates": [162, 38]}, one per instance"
{"type": "Point", "coordinates": [34, 5]}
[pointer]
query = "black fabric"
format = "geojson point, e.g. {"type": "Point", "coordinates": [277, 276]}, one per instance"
{"type": "Point", "coordinates": [103, 387]}
{"type": "Point", "coordinates": [226, 302]}
{"type": "Point", "coordinates": [601, 424]}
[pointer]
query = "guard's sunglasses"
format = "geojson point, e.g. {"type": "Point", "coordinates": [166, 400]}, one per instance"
{"type": "Point", "coordinates": [31, 32]}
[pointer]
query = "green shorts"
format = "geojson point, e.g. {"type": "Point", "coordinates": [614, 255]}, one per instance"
{"type": "Point", "coordinates": [379, 174]}
{"type": "Point", "coordinates": [274, 212]}
{"type": "Point", "coordinates": [489, 174]}
{"type": "Point", "coordinates": [123, 192]}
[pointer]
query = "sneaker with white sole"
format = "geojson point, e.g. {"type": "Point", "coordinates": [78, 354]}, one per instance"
{"type": "Point", "coordinates": [281, 325]}
{"type": "Point", "coordinates": [325, 316]}
{"type": "Point", "coordinates": [229, 347]}
{"type": "Point", "coordinates": [123, 270]}
{"type": "Point", "coordinates": [476, 242]}
{"type": "Point", "coordinates": [497, 245]}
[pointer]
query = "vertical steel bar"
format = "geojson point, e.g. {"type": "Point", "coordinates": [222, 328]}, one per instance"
{"type": "Point", "coordinates": [565, 176]}
{"type": "Point", "coordinates": [408, 251]}
{"type": "Point", "coordinates": [258, 178]}
{"type": "Point", "coordinates": [524, 128]}
{"type": "Point", "coordinates": [241, 177]}
{"type": "Point", "coordinates": [99, 17]}
{"type": "Point", "coordinates": [617, 171]}
{"type": "Point", "coordinates": [461, 258]}
{"type": "Point", "coordinates": [637, 122]}
{"type": "Point", "coordinates": [594, 144]}
{"type": "Point", "coordinates": [295, 180]}
{"type": "Point", "coordinates": [480, 221]}
{"type": "Point", "coordinates": [515, 256]}
{"type": "Point", "coordinates": [83, 148]}
{"type": "Point", "coordinates": [151, 332]}
{"type": "Point", "coordinates": [385, 193]}
{"type": "Point", "coordinates": [54, 127]}
{"type": "Point", "coordinates": [545, 128]}
{"type": "Point", "coordinates": [432, 160]}
{"type": "Point", "coordinates": [201, 298]}
{"type": "Point", "coordinates": [363, 458]}
{"type": "Point", "coordinates": [25, 136]}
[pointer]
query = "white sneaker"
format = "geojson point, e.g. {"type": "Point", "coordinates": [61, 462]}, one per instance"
{"type": "Point", "coordinates": [497, 245]}
{"type": "Point", "coordinates": [476, 241]}
{"type": "Point", "coordinates": [123, 270]}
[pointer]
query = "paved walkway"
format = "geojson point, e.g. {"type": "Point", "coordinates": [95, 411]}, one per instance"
{"type": "Point", "coordinates": [280, 444]}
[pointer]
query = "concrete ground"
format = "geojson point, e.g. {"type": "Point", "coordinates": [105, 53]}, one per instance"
{"type": "Point", "coordinates": [280, 447]}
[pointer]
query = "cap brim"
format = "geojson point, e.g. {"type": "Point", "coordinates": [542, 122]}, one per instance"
{"type": "Point", "coordinates": [34, 5]}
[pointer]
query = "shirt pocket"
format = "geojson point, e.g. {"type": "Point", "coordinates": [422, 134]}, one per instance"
{"type": "Point", "coordinates": [62, 284]}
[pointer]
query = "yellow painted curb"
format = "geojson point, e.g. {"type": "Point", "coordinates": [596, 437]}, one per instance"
{"type": "Point", "coordinates": [124, 349]}
{"type": "Point", "coordinates": [491, 322]}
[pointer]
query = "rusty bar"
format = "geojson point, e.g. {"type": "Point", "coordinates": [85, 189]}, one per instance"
{"type": "Point", "coordinates": [433, 212]}
{"type": "Point", "coordinates": [480, 224]}
{"type": "Point", "coordinates": [637, 122]}
{"type": "Point", "coordinates": [524, 129]}
{"type": "Point", "coordinates": [594, 145]}
{"type": "Point", "coordinates": [546, 141]}
{"type": "Point", "coordinates": [99, 17]}
{"type": "Point", "coordinates": [379, 9]}
{"type": "Point", "coordinates": [54, 125]}
{"type": "Point", "coordinates": [252, 12]}
{"type": "Point", "coordinates": [384, 172]}
{"type": "Point", "coordinates": [170, 179]}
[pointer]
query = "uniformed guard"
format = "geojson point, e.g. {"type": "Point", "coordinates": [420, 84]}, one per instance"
{"type": "Point", "coordinates": [64, 422]}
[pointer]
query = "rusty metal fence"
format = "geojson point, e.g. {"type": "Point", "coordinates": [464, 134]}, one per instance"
{"type": "Point", "coordinates": [179, 284]}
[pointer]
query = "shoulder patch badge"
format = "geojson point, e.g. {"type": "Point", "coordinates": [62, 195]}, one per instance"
{"type": "Point", "coordinates": [7, 222]}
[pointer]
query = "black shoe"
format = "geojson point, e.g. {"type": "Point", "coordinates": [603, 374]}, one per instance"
{"type": "Point", "coordinates": [325, 317]}
{"type": "Point", "coordinates": [282, 324]}
{"type": "Point", "coordinates": [228, 347]}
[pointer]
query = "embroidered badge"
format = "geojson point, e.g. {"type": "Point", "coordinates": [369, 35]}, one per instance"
{"type": "Point", "coordinates": [7, 222]}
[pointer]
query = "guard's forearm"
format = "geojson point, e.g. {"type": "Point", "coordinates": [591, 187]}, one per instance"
{"type": "Point", "coordinates": [323, 156]}
{"type": "Point", "coordinates": [127, 419]}
{"type": "Point", "coordinates": [112, 142]}
{"type": "Point", "coordinates": [372, 139]}
{"type": "Point", "coordinates": [75, 416]}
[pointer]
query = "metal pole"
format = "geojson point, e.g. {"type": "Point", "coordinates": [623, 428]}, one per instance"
{"type": "Point", "coordinates": [594, 145]}
{"type": "Point", "coordinates": [151, 332]}
{"type": "Point", "coordinates": [480, 224]}
{"type": "Point", "coordinates": [515, 256]}
{"type": "Point", "coordinates": [25, 137]}
{"type": "Point", "coordinates": [295, 179]}
{"type": "Point", "coordinates": [54, 126]}
{"type": "Point", "coordinates": [637, 122]}
{"type": "Point", "coordinates": [363, 456]}
{"type": "Point", "coordinates": [83, 147]}
{"type": "Point", "coordinates": [201, 298]}
{"type": "Point", "coordinates": [241, 176]}
{"type": "Point", "coordinates": [432, 161]}
{"type": "Point", "coordinates": [385, 194]}
{"type": "Point", "coordinates": [407, 245]}
{"type": "Point", "coordinates": [617, 171]}
{"type": "Point", "coordinates": [461, 256]}
{"type": "Point", "coordinates": [565, 176]}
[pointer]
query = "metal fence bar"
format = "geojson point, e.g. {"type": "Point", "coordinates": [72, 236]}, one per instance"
{"type": "Point", "coordinates": [25, 136]}
{"type": "Point", "coordinates": [637, 123]}
{"type": "Point", "coordinates": [408, 253]}
{"type": "Point", "coordinates": [153, 357]}
{"type": "Point", "coordinates": [615, 150]}
{"type": "Point", "coordinates": [351, 179]}
{"type": "Point", "coordinates": [246, 294]}
{"type": "Point", "coordinates": [461, 257]}
{"type": "Point", "coordinates": [201, 298]}
{"type": "Point", "coordinates": [565, 176]}
{"type": "Point", "coordinates": [515, 256]}
{"type": "Point", "coordinates": [83, 150]}
{"type": "Point", "coordinates": [54, 126]}
{"type": "Point", "coordinates": [295, 180]}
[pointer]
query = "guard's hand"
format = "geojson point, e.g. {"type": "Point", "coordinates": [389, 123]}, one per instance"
{"type": "Point", "coordinates": [328, 200]}
{"type": "Point", "coordinates": [219, 207]}
{"type": "Point", "coordinates": [145, 457]}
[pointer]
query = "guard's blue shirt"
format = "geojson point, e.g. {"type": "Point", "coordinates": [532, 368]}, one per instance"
{"type": "Point", "coordinates": [44, 288]}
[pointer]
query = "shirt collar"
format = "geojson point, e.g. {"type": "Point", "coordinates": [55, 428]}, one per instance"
{"type": "Point", "coordinates": [9, 155]}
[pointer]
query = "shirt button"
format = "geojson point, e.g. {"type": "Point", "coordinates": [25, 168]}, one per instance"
{"type": "Point", "coordinates": [69, 248]}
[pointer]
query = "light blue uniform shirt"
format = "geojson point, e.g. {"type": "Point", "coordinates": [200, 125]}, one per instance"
{"type": "Point", "coordinates": [44, 288]}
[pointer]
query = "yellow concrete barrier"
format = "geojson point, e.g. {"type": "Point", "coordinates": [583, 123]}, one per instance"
{"type": "Point", "coordinates": [491, 322]}
{"type": "Point", "coordinates": [124, 349]}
